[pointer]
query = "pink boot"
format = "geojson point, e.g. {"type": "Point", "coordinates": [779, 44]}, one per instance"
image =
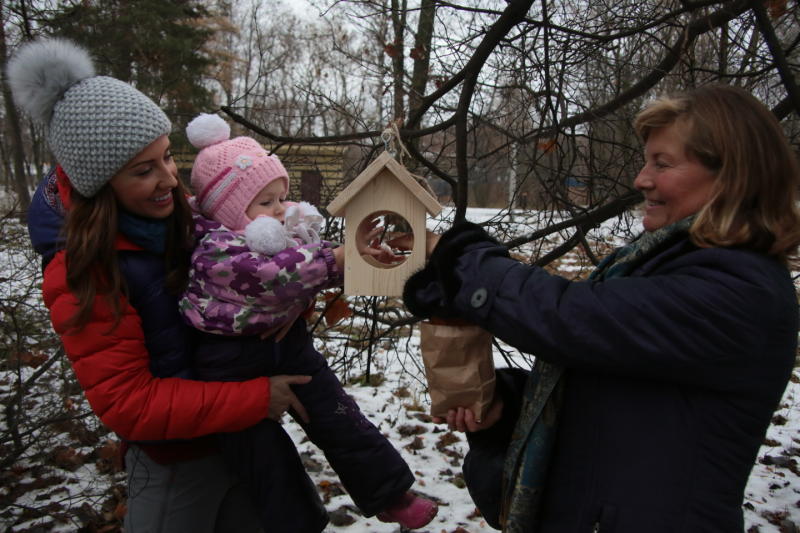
{"type": "Point", "coordinates": [410, 511]}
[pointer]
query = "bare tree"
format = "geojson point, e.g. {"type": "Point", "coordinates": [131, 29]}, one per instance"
{"type": "Point", "coordinates": [13, 125]}
{"type": "Point", "coordinates": [551, 87]}
{"type": "Point", "coordinates": [524, 105]}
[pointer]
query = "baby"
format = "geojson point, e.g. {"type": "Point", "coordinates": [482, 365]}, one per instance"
{"type": "Point", "coordinates": [258, 264]}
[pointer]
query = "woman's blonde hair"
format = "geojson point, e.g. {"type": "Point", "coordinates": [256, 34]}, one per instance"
{"type": "Point", "coordinates": [92, 265]}
{"type": "Point", "coordinates": [755, 195]}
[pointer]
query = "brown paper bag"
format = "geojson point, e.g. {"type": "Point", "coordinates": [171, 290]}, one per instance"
{"type": "Point", "coordinates": [458, 365]}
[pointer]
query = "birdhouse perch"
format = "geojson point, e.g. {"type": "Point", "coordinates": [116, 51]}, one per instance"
{"type": "Point", "coordinates": [385, 186]}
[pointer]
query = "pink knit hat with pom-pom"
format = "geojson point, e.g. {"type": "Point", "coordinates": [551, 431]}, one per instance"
{"type": "Point", "coordinates": [228, 173]}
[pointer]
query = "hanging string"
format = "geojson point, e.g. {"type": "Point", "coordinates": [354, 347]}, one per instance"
{"type": "Point", "coordinates": [388, 142]}
{"type": "Point", "coordinates": [391, 141]}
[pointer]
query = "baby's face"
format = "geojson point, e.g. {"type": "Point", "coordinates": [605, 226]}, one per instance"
{"type": "Point", "coordinates": [269, 201]}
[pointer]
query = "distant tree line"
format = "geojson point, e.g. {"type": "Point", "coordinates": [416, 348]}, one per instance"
{"type": "Point", "coordinates": [503, 103]}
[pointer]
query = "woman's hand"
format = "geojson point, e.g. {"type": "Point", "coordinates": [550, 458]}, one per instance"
{"type": "Point", "coordinates": [282, 398]}
{"type": "Point", "coordinates": [463, 419]}
{"type": "Point", "coordinates": [368, 243]}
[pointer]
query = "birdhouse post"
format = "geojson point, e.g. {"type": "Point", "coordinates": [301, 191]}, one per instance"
{"type": "Point", "coordinates": [384, 187]}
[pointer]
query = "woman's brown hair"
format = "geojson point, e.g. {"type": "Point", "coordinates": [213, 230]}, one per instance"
{"type": "Point", "coordinates": [92, 264]}
{"type": "Point", "coordinates": [755, 195]}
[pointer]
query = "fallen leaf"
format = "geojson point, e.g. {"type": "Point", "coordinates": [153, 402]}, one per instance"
{"type": "Point", "coordinates": [546, 146]}
{"type": "Point", "coordinates": [120, 510]}
{"type": "Point", "coordinates": [336, 309]}
{"type": "Point", "coordinates": [776, 8]}
{"type": "Point", "coordinates": [109, 450]}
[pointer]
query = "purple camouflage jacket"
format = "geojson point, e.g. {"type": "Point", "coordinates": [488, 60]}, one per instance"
{"type": "Point", "coordinates": [236, 291]}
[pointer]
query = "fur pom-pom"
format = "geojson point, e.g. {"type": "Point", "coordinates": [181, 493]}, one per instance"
{"type": "Point", "coordinates": [306, 209]}
{"type": "Point", "coordinates": [207, 129]}
{"type": "Point", "coordinates": [266, 235]}
{"type": "Point", "coordinates": [41, 72]}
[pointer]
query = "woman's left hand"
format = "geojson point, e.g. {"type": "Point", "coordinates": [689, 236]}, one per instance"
{"type": "Point", "coordinates": [282, 398]}
{"type": "Point", "coordinates": [463, 419]}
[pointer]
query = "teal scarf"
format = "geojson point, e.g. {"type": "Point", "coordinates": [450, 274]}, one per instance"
{"type": "Point", "coordinates": [529, 452]}
{"type": "Point", "coordinates": [149, 233]}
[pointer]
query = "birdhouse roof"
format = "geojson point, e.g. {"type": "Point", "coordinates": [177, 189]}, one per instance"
{"type": "Point", "coordinates": [385, 160]}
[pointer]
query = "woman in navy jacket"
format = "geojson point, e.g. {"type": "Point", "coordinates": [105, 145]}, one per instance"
{"type": "Point", "coordinates": [656, 379]}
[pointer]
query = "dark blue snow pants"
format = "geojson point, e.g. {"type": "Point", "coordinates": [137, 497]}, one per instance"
{"type": "Point", "coordinates": [369, 467]}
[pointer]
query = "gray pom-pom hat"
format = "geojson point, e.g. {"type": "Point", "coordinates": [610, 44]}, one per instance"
{"type": "Point", "coordinates": [95, 124]}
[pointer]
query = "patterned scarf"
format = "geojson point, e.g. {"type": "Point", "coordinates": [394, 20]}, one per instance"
{"type": "Point", "coordinates": [529, 452]}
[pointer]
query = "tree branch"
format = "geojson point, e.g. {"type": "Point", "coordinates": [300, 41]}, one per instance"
{"type": "Point", "coordinates": [697, 27]}
{"type": "Point", "coordinates": [586, 221]}
{"type": "Point", "coordinates": [774, 45]}
{"type": "Point", "coordinates": [330, 139]}
{"type": "Point", "coordinates": [512, 15]}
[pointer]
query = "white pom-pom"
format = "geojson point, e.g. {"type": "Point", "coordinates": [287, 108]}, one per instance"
{"type": "Point", "coordinates": [41, 72]}
{"type": "Point", "coordinates": [266, 235]}
{"type": "Point", "coordinates": [207, 129]}
{"type": "Point", "coordinates": [306, 209]}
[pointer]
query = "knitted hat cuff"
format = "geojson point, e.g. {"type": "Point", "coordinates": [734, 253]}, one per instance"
{"type": "Point", "coordinates": [227, 176]}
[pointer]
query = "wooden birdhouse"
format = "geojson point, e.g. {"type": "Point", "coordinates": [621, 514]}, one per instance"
{"type": "Point", "coordinates": [384, 187]}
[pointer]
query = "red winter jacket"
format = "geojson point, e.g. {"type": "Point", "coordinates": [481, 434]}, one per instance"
{"type": "Point", "coordinates": [112, 367]}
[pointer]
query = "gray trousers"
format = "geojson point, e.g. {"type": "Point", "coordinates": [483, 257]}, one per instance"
{"type": "Point", "coordinates": [198, 496]}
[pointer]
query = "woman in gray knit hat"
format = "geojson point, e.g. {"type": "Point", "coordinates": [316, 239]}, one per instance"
{"type": "Point", "coordinates": [111, 282]}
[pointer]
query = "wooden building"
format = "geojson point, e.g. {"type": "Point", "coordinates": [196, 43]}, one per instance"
{"type": "Point", "coordinates": [316, 172]}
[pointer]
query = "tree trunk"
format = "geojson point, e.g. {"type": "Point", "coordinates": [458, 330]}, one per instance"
{"type": "Point", "coordinates": [398, 68]}
{"type": "Point", "coordinates": [14, 133]}
{"type": "Point", "coordinates": [421, 53]}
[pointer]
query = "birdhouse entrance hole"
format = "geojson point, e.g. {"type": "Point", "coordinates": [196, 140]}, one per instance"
{"type": "Point", "coordinates": [384, 188]}
{"type": "Point", "coordinates": [393, 225]}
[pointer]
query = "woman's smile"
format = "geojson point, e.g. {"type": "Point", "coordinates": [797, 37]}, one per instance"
{"type": "Point", "coordinates": [674, 184]}
{"type": "Point", "coordinates": [164, 199]}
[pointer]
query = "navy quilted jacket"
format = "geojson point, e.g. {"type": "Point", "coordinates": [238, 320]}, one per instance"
{"type": "Point", "coordinates": [169, 340]}
{"type": "Point", "coordinates": [672, 378]}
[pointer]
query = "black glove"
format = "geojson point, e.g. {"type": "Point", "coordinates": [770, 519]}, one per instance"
{"type": "Point", "coordinates": [431, 291]}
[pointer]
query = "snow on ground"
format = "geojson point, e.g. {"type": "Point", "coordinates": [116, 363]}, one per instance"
{"type": "Point", "coordinates": [403, 419]}
{"type": "Point", "coordinates": [772, 495]}
{"type": "Point", "coordinates": [78, 477]}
